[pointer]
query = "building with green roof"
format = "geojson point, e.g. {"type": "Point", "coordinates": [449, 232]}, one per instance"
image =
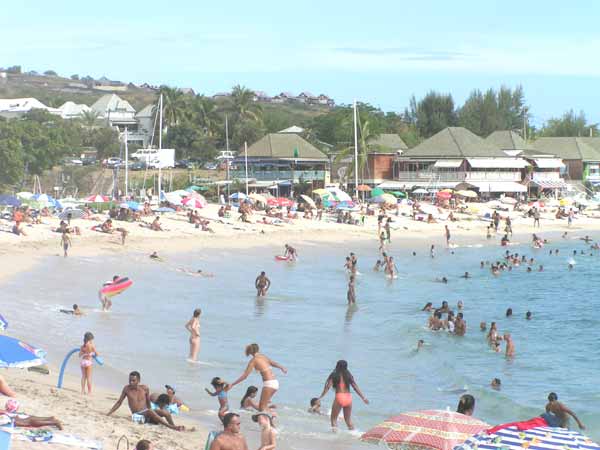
{"type": "Point", "coordinates": [281, 158]}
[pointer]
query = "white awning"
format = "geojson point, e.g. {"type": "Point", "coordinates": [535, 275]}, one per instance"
{"type": "Point", "coordinates": [498, 186]}
{"type": "Point", "coordinates": [549, 163]}
{"type": "Point", "coordinates": [399, 185]}
{"type": "Point", "coordinates": [448, 163]}
{"type": "Point", "coordinates": [497, 163]}
{"type": "Point", "coordinates": [551, 184]}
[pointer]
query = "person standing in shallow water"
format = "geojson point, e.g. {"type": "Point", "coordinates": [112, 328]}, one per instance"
{"type": "Point", "coordinates": [341, 380]}
{"type": "Point", "coordinates": [262, 284]}
{"type": "Point", "coordinates": [193, 326]}
{"type": "Point", "coordinates": [351, 296]}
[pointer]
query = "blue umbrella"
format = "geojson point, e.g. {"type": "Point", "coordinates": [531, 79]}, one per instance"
{"type": "Point", "coordinates": [14, 353]}
{"type": "Point", "coordinates": [3, 323]}
{"type": "Point", "coordinates": [9, 200]}
{"type": "Point", "coordinates": [134, 206]}
{"type": "Point", "coordinates": [546, 438]}
{"type": "Point", "coordinates": [237, 196]}
{"type": "Point", "coordinates": [164, 209]}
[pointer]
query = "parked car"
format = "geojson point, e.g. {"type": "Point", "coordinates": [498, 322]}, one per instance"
{"type": "Point", "coordinates": [181, 164]}
{"type": "Point", "coordinates": [72, 161]}
{"type": "Point", "coordinates": [88, 161]}
{"type": "Point", "coordinates": [137, 165]}
{"type": "Point", "coordinates": [113, 162]}
{"type": "Point", "coordinates": [211, 166]}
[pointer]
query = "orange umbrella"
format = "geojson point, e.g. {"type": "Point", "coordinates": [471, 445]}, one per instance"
{"type": "Point", "coordinates": [423, 430]}
{"type": "Point", "coordinates": [363, 188]}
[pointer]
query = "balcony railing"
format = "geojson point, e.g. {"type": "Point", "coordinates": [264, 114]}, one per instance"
{"type": "Point", "coordinates": [458, 176]}
{"type": "Point", "coordinates": [271, 175]}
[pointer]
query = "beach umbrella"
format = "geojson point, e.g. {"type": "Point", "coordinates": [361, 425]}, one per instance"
{"type": "Point", "coordinates": [258, 198]}
{"type": "Point", "coordinates": [97, 198]}
{"type": "Point", "coordinates": [9, 200]}
{"type": "Point", "coordinates": [377, 192]}
{"type": "Point", "coordinates": [280, 202]}
{"type": "Point", "coordinates": [508, 200]}
{"type": "Point", "coordinates": [309, 201]}
{"type": "Point", "coordinates": [420, 191]}
{"type": "Point", "coordinates": [340, 195]}
{"type": "Point", "coordinates": [75, 214]}
{"type": "Point", "coordinates": [196, 188]}
{"type": "Point", "coordinates": [193, 202]}
{"type": "Point", "coordinates": [384, 198]}
{"type": "Point", "coordinates": [345, 206]}
{"type": "Point", "coordinates": [180, 192]}
{"type": "Point", "coordinates": [3, 323]}
{"type": "Point", "coordinates": [237, 196]}
{"type": "Point", "coordinates": [506, 437]}
{"type": "Point", "coordinates": [171, 197]}
{"type": "Point", "coordinates": [134, 206]}
{"type": "Point", "coordinates": [363, 188]}
{"type": "Point", "coordinates": [444, 195]}
{"type": "Point", "coordinates": [430, 429]}
{"type": "Point", "coordinates": [447, 190]}
{"type": "Point", "coordinates": [398, 194]}
{"type": "Point", "coordinates": [321, 192]}
{"type": "Point", "coordinates": [17, 354]}
{"type": "Point", "coordinates": [467, 194]}
{"type": "Point", "coordinates": [164, 209]}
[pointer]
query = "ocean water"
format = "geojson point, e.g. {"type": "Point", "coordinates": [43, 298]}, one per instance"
{"type": "Point", "coordinates": [305, 324]}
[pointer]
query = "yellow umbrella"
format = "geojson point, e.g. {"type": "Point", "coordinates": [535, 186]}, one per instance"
{"type": "Point", "coordinates": [309, 201]}
{"type": "Point", "coordinates": [321, 192]}
{"type": "Point", "coordinates": [565, 201]}
{"type": "Point", "coordinates": [468, 194]}
{"type": "Point", "coordinates": [259, 198]}
{"type": "Point", "coordinates": [389, 198]}
{"type": "Point", "coordinates": [446, 190]}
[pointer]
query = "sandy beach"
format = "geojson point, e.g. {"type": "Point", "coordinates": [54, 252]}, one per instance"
{"type": "Point", "coordinates": [85, 417]}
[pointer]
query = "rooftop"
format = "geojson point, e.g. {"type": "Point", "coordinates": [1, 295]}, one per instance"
{"type": "Point", "coordinates": [282, 146]}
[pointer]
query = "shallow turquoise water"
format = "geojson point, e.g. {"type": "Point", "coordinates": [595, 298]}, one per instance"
{"type": "Point", "coordinates": [305, 325]}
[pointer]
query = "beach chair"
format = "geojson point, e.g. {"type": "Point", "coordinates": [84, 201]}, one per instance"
{"type": "Point", "coordinates": [5, 438]}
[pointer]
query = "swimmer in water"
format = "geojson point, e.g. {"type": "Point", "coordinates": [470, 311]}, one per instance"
{"type": "Point", "coordinates": [390, 268]}
{"type": "Point", "coordinates": [193, 327]}
{"type": "Point", "coordinates": [378, 265]}
{"type": "Point", "coordinates": [496, 384]}
{"type": "Point", "coordinates": [482, 326]}
{"type": "Point", "coordinates": [509, 312]}
{"type": "Point", "coordinates": [196, 273]}
{"type": "Point", "coordinates": [420, 344]}
{"type": "Point", "coordinates": [466, 275]}
{"type": "Point", "coordinates": [557, 413]}
{"type": "Point", "coordinates": [315, 407]}
{"type": "Point", "coordinates": [442, 280]}
{"type": "Point", "coordinates": [428, 307]}
{"type": "Point", "coordinates": [570, 266]}
{"type": "Point", "coordinates": [528, 315]}
{"type": "Point", "coordinates": [444, 308]}
{"type": "Point", "coordinates": [432, 251]}
{"type": "Point", "coordinates": [262, 284]}
{"type": "Point", "coordinates": [460, 305]}
{"type": "Point", "coordinates": [154, 256]}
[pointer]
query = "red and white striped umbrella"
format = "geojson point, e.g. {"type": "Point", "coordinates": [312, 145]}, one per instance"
{"type": "Point", "coordinates": [431, 429]}
{"type": "Point", "coordinates": [194, 202]}
{"type": "Point", "coordinates": [97, 198]}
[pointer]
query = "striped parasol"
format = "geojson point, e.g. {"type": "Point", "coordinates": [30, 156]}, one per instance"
{"type": "Point", "coordinates": [425, 430]}
{"type": "Point", "coordinates": [546, 438]}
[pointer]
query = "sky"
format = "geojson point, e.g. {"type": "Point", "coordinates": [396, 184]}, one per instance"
{"type": "Point", "coordinates": [378, 52]}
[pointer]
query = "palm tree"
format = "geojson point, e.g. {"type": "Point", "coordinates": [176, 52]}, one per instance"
{"type": "Point", "coordinates": [90, 118]}
{"type": "Point", "coordinates": [174, 105]}
{"type": "Point", "coordinates": [365, 147]}
{"type": "Point", "coordinates": [205, 112]}
{"type": "Point", "coordinates": [243, 106]}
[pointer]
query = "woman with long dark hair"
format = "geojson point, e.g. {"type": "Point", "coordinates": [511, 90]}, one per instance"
{"type": "Point", "coordinates": [341, 380]}
{"type": "Point", "coordinates": [466, 405]}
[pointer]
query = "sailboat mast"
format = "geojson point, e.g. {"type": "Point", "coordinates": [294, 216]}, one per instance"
{"type": "Point", "coordinates": [160, 115]}
{"type": "Point", "coordinates": [126, 166]}
{"type": "Point", "coordinates": [355, 152]}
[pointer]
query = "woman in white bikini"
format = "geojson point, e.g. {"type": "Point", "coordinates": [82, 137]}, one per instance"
{"type": "Point", "coordinates": [86, 353]}
{"type": "Point", "coordinates": [261, 364]}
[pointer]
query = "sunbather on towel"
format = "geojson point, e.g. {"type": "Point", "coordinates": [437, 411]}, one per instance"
{"type": "Point", "coordinates": [23, 420]}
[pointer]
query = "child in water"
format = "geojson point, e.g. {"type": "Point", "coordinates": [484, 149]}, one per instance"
{"type": "Point", "coordinates": [221, 388]}
{"type": "Point", "coordinates": [248, 399]}
{"type": "Point", "coordinates": [315, 406]}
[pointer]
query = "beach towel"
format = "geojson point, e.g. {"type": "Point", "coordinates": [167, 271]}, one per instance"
{"type": "Point", "coordinates": [211, 437]}
{"type": "Point", "coordinates": [521, 426]}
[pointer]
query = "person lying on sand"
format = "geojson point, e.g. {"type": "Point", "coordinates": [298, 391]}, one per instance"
{"type": "Point", "coordinates": [138, 399]}
{"type": "Point", "coordinates": [10, 413]}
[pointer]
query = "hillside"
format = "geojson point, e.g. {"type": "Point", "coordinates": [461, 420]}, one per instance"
{"type": "Point", "coordinates": [55, 90]}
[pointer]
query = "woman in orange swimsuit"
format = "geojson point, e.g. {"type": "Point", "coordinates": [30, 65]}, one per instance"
{"type": "Point", "coordinates": [341, 379]}
{"type": "Point", "coordinates": [86, 353]}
